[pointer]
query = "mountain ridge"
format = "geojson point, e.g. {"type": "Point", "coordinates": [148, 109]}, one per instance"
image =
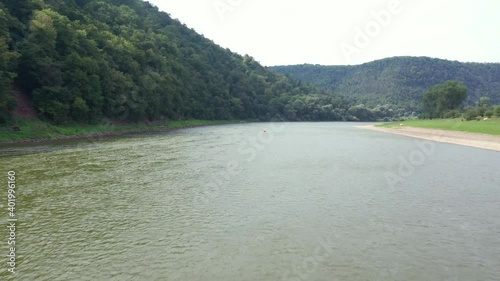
{"type": "Point", "coordinates": [385, 58]}
{"type": "Point", "coordinates": [400, 80]}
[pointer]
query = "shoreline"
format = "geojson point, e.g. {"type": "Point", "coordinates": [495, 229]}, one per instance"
{"type": "Point", "coordinates": [104, 134]}
{"type": "Point", "coordinates": [483, 141]}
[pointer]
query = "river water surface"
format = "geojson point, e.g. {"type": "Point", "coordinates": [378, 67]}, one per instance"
{"type": "Point", "coordinates": [292, 201]}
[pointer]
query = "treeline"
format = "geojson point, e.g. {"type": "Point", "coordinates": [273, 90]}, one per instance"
{"type": "Point", "coordinates": [400, 81]}
{"type": "Point", "coordinates": [104, 60]}
{"type": "Point", "coordinates": [483, 108]}
{"type": "Point", "coordinates": [446, 100]}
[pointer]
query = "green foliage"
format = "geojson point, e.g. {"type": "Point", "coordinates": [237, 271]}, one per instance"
{"type": "Point", "coordinates": [491, 126]}
{"type": "Point", "coordinates": [470, 114]}
{"type": "Point", "coordinates": [80, 110]}
{"type": "Point", "coordinates": [489, 113]}
{"type": "Point", "coordinates": [484, 102]}
{"type": "Point", "coordinates": [497, 110]}
{"type": "Point", "coordinates": [481, 111]}
{"type": "Point", "coordinates": [452, 114]}
{"type": "Point", "coordinates": [361, 112]}
{"type": "Point", "coordinates": [442, 98]}
{"type": "Point", "coordinates": [8, 61]}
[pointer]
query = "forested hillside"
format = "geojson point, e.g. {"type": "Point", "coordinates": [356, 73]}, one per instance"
{"type": "Point", "coordinates": [399, 80]}
{"type": "Point", "coordinates": [103, 60]}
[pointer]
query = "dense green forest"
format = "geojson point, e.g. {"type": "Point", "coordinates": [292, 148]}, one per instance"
{"type": "Point", "coordinates": [401, 80]}
{"type": "Point", "coordinates": [100, 61]}
{"type": "Point", "coordinates": [444, 99]}
{"type": "Point", "coordinates": [109, 61]}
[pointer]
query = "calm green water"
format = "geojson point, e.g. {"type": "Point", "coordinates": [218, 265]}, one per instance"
{"type": "Point", "coordinates": [305, 201]}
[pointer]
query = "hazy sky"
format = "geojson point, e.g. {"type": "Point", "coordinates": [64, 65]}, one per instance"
{"type": "Point", "coordinates": [332, 32]}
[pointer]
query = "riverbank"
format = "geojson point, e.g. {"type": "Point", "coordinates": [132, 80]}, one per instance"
{"type": "Point", "coordinates": [34, 131]}
{"type": "Point", "coordinates": [484, 141]}
{"type": "Point", "coordinates": [489, 126]}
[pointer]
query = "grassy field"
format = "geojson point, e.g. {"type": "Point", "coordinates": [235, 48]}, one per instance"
{"type": "Point", "coordinates": [36, 129]}
{"type": "Point", "coordinates": [491, 126]}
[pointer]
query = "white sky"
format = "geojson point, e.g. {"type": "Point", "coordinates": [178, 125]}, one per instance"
{"type": "Point", "coordinates": [282, 32]}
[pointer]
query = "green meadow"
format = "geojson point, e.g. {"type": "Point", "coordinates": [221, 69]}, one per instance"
{"type": "Point", "coordinates": [491, 126]}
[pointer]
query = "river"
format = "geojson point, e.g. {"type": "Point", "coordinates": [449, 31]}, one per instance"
{"type": "Point", "coordinates": [258, 201]}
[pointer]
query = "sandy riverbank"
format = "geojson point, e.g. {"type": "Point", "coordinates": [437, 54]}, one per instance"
{"type": "Point", "coordinates": [483, 141]}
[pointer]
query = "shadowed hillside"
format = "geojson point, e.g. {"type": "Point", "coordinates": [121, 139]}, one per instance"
{"type": "Point", "coordinates": [100, 60]}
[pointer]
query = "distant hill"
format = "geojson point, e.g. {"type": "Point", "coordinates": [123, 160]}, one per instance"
{"type": "Point", "coordinates": [399, 80]}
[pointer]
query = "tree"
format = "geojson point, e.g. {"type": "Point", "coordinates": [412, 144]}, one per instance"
{"type": "Point", "coordinates": [79, 110]}
{"type": "Point", "coordinates": [430, 107]}
{"type": "Point", "coordinates": [443, 97]}
{"type": "Point", "coordinates": [484, 102]}
{"type": "Point", "coordinates": [38, 66]}
{"type": "Point", "coordinates": [484, 106]}
{"type": "Point", "coordinates": [8, 64]}
{"type": "Point", "coordinates": [361, 112]}
{"type": "Point", "coordinates": [470, 114]}
{"type": "Point", "coordinates": [481, 111]}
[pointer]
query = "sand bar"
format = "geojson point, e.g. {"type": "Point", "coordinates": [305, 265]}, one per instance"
{"type": "Point", "coordinates": [483, 141]}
